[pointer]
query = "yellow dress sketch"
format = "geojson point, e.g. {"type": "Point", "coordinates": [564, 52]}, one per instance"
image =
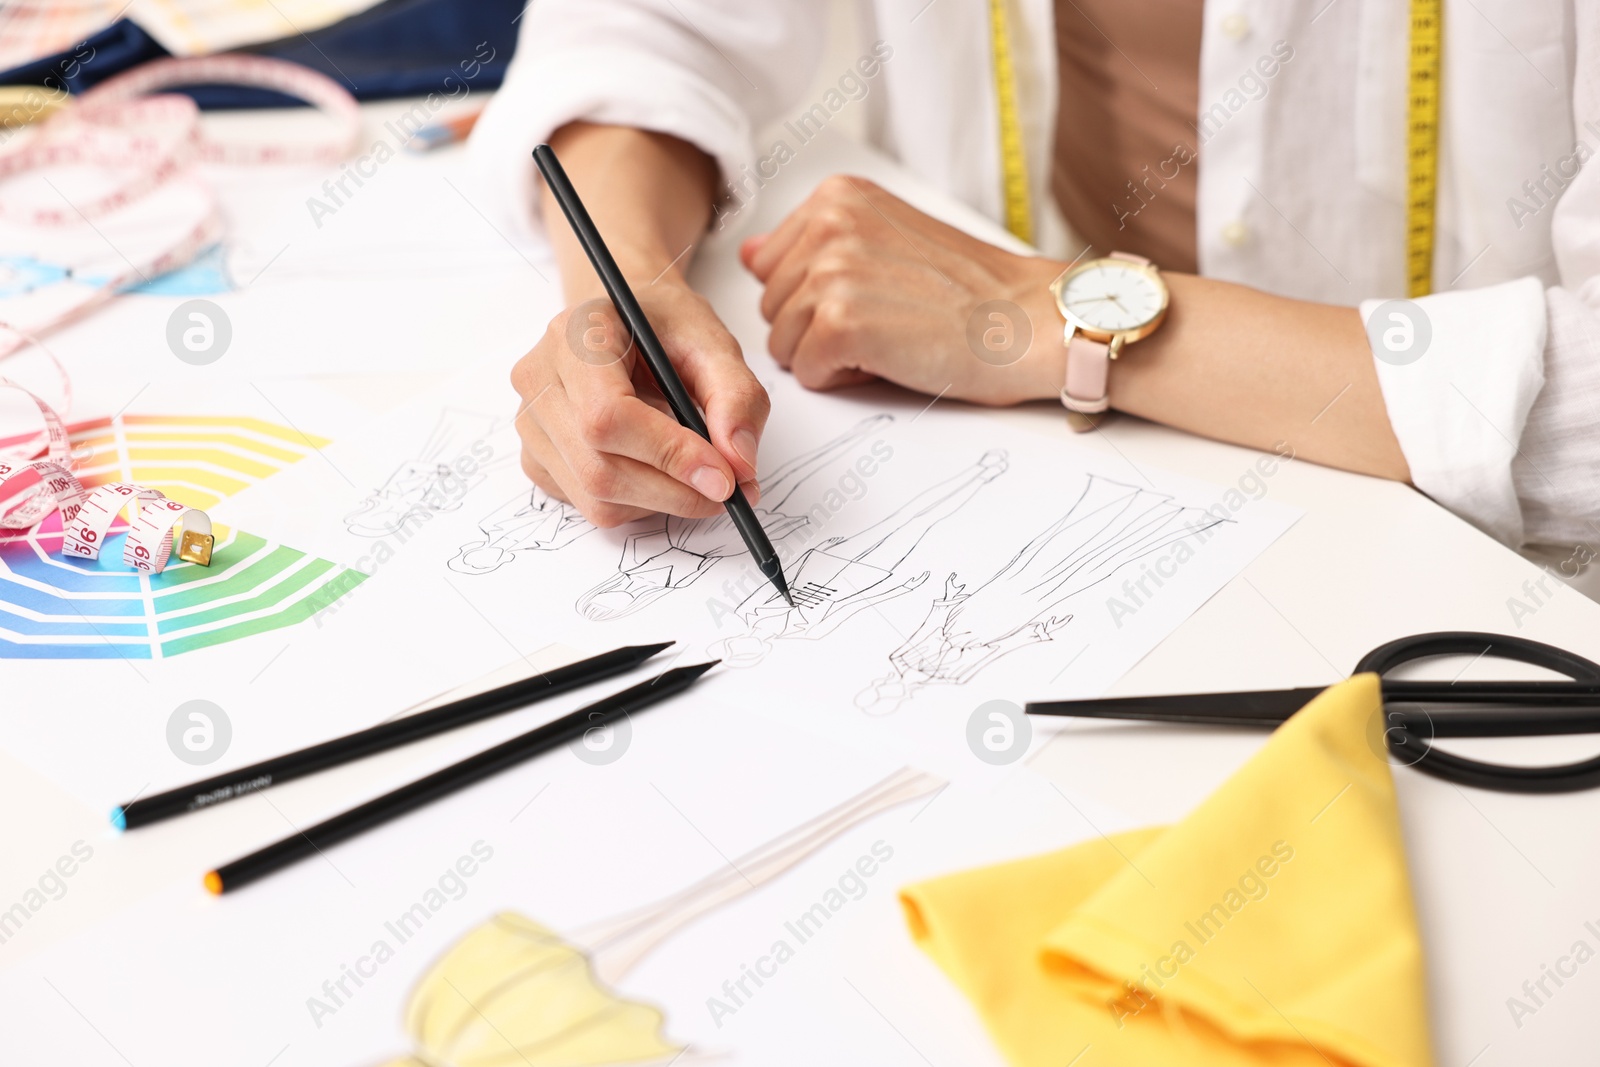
{"type": "Point", "coordinates": [547, 1006]}
{"type": "Point", "coordinates": [511, 992]}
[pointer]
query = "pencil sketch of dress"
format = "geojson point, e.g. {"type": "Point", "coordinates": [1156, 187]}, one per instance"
{"type": "Point", "coordinates": [844, 576]}
{"type": "Point", "coordinates": [533, 521]}
{"type": "Point", "coordinates": [676, 552]}
{"type": "Point", "coordinates": [449, 464]}
{"type": "Point", "coordinates": [1109, 526]}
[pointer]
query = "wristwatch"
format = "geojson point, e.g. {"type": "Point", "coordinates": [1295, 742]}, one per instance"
{"type": "Point", "coordinates": [1107, 303]}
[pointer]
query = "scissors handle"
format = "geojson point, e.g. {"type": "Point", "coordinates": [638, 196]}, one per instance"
{"type": "Point", "coordinates": [1519, 694]}
{"type": "Point", "coordinates": [1512, 722]}
{"type": "Point", "coordinates": [1411, 743]}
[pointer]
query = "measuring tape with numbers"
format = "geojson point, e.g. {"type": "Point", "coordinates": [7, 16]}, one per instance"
{"type": "Point", "coordinates": [37, 483]}
{"type": "Point", "coordinates": [150, 138]}
{"type": "Point", "coordinates": [151, 141]}
{"type": "Point", "coordinates": [1013, 159]}
{"type": "Point", "coordinates": [1422, 137]}
{"type": "Point", "coordinates": [1422, 144]}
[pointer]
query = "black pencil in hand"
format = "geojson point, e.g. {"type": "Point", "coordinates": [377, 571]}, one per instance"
{"type": "Point", "coordinates": [655, 357]}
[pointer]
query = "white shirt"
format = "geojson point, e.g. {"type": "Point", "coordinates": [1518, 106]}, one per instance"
{"type": "Point", "coordinates": [1301, 180]}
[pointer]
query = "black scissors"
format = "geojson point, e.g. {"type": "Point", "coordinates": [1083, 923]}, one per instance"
{"type": "Point", "coordinates": [1501, 709]}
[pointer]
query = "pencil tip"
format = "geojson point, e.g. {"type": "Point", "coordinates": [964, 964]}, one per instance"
{"type": "Point", "coordinates": [213, 883]}
{"type": "Point", "coordinates": [698, 669]}
{"type": "Point", "coordinates": [646, 651]}
{"type": "Point", "coordinates": [119, 819]}
{"type": "Point", "coordinates": [774, 572]}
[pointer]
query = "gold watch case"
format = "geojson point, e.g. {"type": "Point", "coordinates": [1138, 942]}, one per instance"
{"type": "Point", "coordinates": [1115, 338]}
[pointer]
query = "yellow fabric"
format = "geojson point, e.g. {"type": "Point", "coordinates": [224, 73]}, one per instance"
{"type": "Point", "coordinates": [1273, 925]}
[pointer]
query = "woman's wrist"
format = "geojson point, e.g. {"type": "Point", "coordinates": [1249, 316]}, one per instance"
{"type": "Point", "coordinates": [642, 266]}
{"type": "Point", "coordinates": [649, 193]}
{"type": "Point", "coordinates": [1043, 369]}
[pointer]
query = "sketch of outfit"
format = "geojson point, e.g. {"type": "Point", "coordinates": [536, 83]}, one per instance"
{"type": "Point", "coordinates": [1109, 526]}
{"type": "Point", "coordinates": [677, 552]}
{"type": "Point", "coordinates": [846, 575]}
{"type": "Point", "coordinates": [529, 522]}
{"type": "Point", "coordinates": [513, 991]}
{"type": "Point", "coordinates": [429, 484]}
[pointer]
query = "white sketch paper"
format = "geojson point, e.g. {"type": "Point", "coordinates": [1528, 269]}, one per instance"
{"type": "Point", "coordinates": [926, 549]}
{"type": "Point", "coordinates": [531, 521]}
{"type": "Point", "coordinates": [433, 480]}
{"type": "Point", "coordinates": [844, 576]}
{"type": "Point", "coordinates": [674, 552]}
{"type": "Point", "coordinates": [660, 904]}
{"type": "Point", "coordinates": [1110, 526]}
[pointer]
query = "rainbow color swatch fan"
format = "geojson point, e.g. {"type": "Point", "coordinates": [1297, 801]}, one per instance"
{"type": "Point", "coordinates": [56, 607]}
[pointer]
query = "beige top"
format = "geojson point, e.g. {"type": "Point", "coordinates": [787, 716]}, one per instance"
{"type": "Point", "coordinates": [1126, 154]}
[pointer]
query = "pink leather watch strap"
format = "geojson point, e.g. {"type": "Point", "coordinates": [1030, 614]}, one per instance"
{"type": "Point", "coordinates": [1088, 366]}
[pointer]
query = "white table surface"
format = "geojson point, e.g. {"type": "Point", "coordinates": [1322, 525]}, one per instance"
{"type": "Point", "coordinates": [1504, 884]}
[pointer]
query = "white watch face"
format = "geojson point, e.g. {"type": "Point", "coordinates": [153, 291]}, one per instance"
{"type": "Point", "coordinates": [1112, 297]}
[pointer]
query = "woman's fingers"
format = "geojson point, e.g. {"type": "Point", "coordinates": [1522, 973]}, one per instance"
{"type": "Point", "coordinates": [611, 419]}
{"type": "Point", "coordinates": [618, 489]}
{"type": "Point", "coordinates": [822, 357]}
{"type": "Point", "coordinates": [609, 489]}
{"type": "Point", "coordinates": [735, 403]}
{"type": "Point", "coordinates": [630, 428]}
{"type": "Point", "coordinates": [789, 325]}
{"type": "Point", "coordinates": [830, 211]}
{"type": "Point", "coordinates": [750, 246]}
{"type": "Point", "coordinates": [595, 433]}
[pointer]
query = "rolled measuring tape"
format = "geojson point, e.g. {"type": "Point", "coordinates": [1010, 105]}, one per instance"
{"type": "Point", "coordinates": [32, 488]}
{"type": "Point", "coordinates": [262, 72]}
{"type": "Point", "coordinates": [151, 141]}
{"type": "Point", "coordinates": [120, 125]}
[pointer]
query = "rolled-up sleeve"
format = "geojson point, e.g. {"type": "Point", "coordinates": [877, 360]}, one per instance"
{"type": "Point", "coordinates": [1459, 405]}
{"type": "Point", "coordinates": [710, 72]}
{"type": "Point", "coordinates": [1500, 419]}
{"type": "Point", "coordinates": [1557, 470]}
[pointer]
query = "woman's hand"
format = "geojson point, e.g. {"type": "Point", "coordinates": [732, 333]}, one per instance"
{"type": "Point", "coordinates": [596, 432]}
{"type": "Point", "coordinates": [861, 285]}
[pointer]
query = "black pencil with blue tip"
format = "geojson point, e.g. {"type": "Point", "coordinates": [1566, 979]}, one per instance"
{"type": "Point", "coordinates": [258, 776]}
{"type": "Point", "coordinates": [655, 357]}
{"type": "Point", "coordinates": [457, 776]}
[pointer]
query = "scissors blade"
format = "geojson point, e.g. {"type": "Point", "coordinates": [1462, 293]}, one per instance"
{"type": "Point", "coordinates": [1497, 710]}
{"type": "Point", "coordinates": [1258, 707]}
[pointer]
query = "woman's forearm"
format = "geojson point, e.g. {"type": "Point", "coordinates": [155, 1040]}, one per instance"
{"type": "Point", "coordinates": [650, 195]}
{"type": "Point", "coordinates": [1240, 365]}
{"type": "Point", "coordinates": [1230, 362]}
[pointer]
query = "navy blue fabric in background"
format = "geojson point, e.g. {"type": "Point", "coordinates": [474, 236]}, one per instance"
{"type": "Point", "coordinates": [397, 48]}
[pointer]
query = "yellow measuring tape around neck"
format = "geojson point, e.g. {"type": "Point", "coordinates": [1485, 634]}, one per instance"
{"type": "Point", "coordinates": [1422, 137]}
{"type": "Point", "coordinates": [1013, 161]}
{"type": "Point", "coordinates": [1422, 145]}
